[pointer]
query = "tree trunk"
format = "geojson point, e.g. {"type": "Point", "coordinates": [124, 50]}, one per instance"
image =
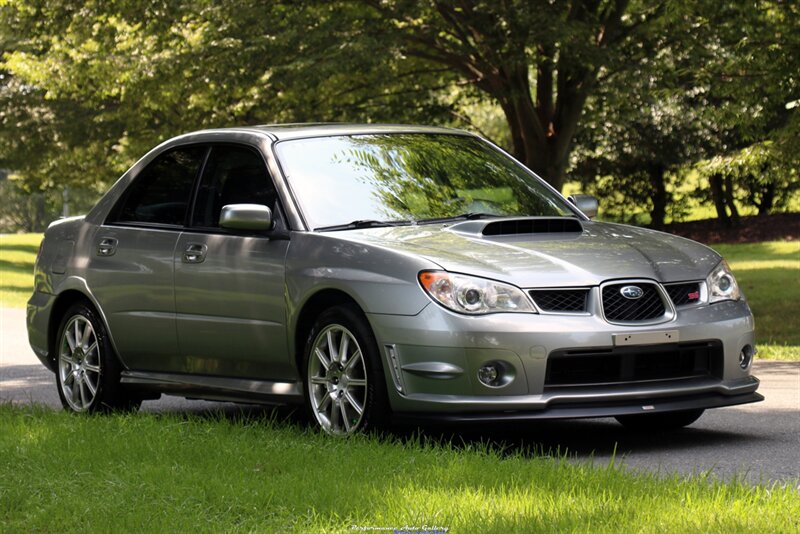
{"type": "Point", "coordinates": [542, 129]}
{"type": "Point", "coordinates": [767, 199]}
{"type": "Point", "coordinates": [542, 135]}
{"type": "Point", "coordinates": [729, 200]}
{"type": "Point", "coordinates": [718, 196]}
{"type": "Point", "coordinates": [659, 196]}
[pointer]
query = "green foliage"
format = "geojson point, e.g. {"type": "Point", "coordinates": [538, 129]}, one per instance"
{"type": "Point", "coordinates": [748, 60]}
{"type": "Point", "coordinates": [86, 87]}
{"type": "Point", "coordinates": [165, 473]}
{"type": "Point", "coordinates": [25, 211]}
{"type": "Point", "coordinates": [760, 173]}
{"type": "Point", "coordinates": [715, 91]}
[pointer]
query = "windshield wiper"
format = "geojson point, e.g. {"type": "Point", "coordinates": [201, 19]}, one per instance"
{"type": "Point", "coordinates": [470, 216]}
{"type": "Point", "coordinates": [361, 223]}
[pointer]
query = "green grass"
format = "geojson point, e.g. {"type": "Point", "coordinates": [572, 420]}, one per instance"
{"type": "Point", "coordinates": [17, 255]}
{"type": "Point", "coordinates": [150, 473]}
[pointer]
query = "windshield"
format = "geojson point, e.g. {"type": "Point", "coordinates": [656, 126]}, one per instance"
{"type": "Point", "coordinates": [388, 178]}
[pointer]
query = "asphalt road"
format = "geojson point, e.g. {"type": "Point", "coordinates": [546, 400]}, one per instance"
{"type": "Point", "coordinates": [757, 442]}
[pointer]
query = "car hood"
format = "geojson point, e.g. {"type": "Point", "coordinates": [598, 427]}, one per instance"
{"type": "Point", "coordinates": [600, 252]}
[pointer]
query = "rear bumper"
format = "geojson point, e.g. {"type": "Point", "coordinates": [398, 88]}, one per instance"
{"type": "Point", "coordinates": [39, 309]}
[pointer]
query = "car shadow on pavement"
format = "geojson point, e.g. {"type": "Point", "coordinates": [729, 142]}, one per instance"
{"type": "Point", "coordinates": [28, 384]}
{"type": "Point", "coordinates": [582, 438]}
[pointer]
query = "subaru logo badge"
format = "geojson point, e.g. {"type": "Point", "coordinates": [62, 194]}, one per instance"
{"type": "Point", "coordinates": [632, 292]}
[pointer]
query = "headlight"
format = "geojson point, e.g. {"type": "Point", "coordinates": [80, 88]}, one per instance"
{"type": "Point", "coordinates": [722, 285]}
{"type": "Point", "coordinates": [472, 295]}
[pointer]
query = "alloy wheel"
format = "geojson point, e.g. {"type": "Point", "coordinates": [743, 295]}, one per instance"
{"type": "Point", "coordinates": [79, 365]}
{"type": "Point", "coordinates": [337, 380]}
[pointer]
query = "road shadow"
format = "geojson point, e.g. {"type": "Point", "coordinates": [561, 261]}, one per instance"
{"type": "Point", "coordinates": [574, 438]}
{"type": "Point", "coordinates": [14, 378]}
{"type": "Point", "coordinates": [571, 438]}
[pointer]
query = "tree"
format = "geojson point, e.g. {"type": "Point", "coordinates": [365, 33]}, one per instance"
{"type": "Point", "coordinates": [539, 63]}
{"type": "Point", "coordinates": [638, 148]}
{"type": "Point", "coordinates": [90, 86]}
{"type": "Point", "coordinates": [749, 56]}
{"type": "Point", "coordinates": [758, 175]}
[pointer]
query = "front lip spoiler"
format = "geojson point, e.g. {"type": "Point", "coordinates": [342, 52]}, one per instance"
{"type": "Point", "coordinates": [589, 409]}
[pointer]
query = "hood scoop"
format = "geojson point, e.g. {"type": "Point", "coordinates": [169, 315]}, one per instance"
{"type": "Point", "coordinates": [520, 226]}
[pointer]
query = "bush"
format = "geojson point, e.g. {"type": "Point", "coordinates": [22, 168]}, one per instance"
{"type": "Point", "coordinates": [22, 211]}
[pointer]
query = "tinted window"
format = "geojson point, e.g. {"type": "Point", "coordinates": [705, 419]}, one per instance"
{"type": "Point", "coordinates": [162, 191]}
{"type": "Point", "coordinates": [409, 177]}
{"type": "Point", "coordinates": [233, 175]}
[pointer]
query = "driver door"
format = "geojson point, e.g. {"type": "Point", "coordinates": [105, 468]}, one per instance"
{"type": "Point", "coordinates": [229, 285]}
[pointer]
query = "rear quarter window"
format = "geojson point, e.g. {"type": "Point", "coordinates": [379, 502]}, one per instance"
{"type": "Point", "coordinates": [162, 191]}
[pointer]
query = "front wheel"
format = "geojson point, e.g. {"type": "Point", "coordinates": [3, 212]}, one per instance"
{"type": "Point", "coordinates": [660, 421]}
{"type": "Point", "coordinates": [87, 374]}
{"type": "Point", "coordinates": [344, 382]}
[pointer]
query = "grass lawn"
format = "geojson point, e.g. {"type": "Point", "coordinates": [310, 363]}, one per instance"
{"type": "Point", "coordinates": [769, 274]}
{"type": "Point", "coordinates": [151, 473]}
{"type": "Point", "coordinates": [17, 255]}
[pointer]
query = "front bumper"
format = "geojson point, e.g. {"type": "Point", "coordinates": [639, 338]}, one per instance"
{"type": "Point", "coordinates": [588, 409]}
{"type": "Point", "coordinates": [431, 362]}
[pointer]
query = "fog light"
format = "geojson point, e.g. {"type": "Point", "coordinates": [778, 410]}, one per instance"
{"type": "Point", "coordinates": [488, 374]}
{"type": "Point", "coordinates": [746, 356]}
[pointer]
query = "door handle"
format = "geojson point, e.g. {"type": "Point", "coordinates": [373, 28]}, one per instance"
{"type": "Point", "coordinates": [194, 253]}
{"type": "Point", "coordinates": [107, 246]}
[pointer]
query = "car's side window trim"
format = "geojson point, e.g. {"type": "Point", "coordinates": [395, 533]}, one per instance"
{"type": "Point", "coordinates": [187, 220]}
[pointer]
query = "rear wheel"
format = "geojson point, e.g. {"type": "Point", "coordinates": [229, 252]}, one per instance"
{"type": "Point", "coordinates": [660, 421]}
{"type": "Point", "coordinates": [344, 382]}
{"type": "Point", "coordinates": [88, 371]}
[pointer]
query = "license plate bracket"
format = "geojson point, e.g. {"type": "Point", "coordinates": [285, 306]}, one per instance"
{"type": "Point", "coordinates": [645, 338]}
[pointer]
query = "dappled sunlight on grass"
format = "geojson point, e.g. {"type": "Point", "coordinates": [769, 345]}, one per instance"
{"type": "Point", "coordinates": [17, 256]}
{"type": "Point", "coordinates": [162, 473]}
{"type": "Point", "coordinates": [761, 252]}
{"type": "Point", "coordinates": [768, 351]}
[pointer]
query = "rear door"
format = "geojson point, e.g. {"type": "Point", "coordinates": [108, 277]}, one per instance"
{"type": "Point", "coordinates": [229, 285]}
{"type": "Point", "coordinates": [131, 263]}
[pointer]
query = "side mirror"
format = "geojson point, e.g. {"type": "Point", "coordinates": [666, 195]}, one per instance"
{"type": "Point", "coordinates": [246, 217]}
{"type": "Point", "coordinates": [586, 203]}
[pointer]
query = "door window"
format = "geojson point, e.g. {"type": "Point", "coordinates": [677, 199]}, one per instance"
{"type": "Point", "coordinates": [233, 175]}
{"type": "Point", "coordinates": [162, 191]}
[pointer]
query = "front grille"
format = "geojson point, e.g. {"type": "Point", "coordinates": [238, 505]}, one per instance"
{"type": "Point", "coordinates": [560, 300]}
{"type": "Point", "coordinates": [684, 293]}
{"type": "Point", "coordinates": [594, 367]}
{"type": "Point", "coordinates": [618, 308]}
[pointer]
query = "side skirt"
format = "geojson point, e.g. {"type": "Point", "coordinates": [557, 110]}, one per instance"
{"type": "Point", "coordinates": [215, 388]}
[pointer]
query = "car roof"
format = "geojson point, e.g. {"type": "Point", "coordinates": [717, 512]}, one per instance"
{"type": "Point", "coordinates": [295, 131]}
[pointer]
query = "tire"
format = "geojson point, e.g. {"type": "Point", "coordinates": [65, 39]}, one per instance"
{"type": "Point", "coordinates": [660, 421]}
{"type": "Point", "coordinates": [87, 369]}
{"type": "Point", "coordinates": [345, 390]}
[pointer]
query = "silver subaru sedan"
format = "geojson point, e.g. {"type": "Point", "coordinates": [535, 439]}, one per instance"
{"type": "Point", "coordinates": [377, 273]}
